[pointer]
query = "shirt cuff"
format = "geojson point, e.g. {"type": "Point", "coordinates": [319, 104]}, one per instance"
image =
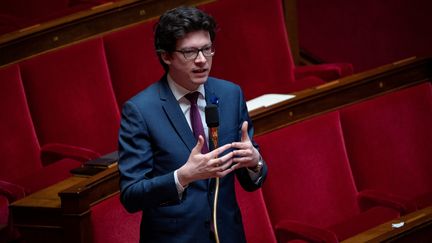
{"type": "Point", "coordinates": [180, 188]}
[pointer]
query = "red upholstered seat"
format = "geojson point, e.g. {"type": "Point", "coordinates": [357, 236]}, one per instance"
{"type": "Point", "coordinates": [19, 146]}
{"type": "Point", "coordinates": [17, 132]}
{"type": "Point", "coordinates": [256, 221]}
{"type": "Point", "coordinates": [71, 98]}
{"type": "Point", "coordinates": [252, 49]}
{"type": "Point", "coordinates": [111, 223]}
{"type": "Point", "coordinates": [132, 60]}
{"type": "Point", "coordinates": [389, 142]}
{"type": "Point", "coordinates": [21, 168]}
{"type": "Point", "coordinates": [310, 190]}
{"type": "Point", "coordinates": [6, 233]}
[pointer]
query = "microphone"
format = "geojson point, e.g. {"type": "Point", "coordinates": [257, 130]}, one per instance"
{"type": "Point", "coordinates": [212, 120]}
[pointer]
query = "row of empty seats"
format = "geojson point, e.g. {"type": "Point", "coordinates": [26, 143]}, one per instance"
{"type": "Point", "coordinates": [63, 107]}
{"type": "Point", "coordinates": [340, 173]}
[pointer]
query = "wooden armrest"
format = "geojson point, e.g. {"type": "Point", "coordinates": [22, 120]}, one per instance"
{"type": "Point", "coordinates": [413, 222]}
{"type": "Point", "coordinates": [79, 198]}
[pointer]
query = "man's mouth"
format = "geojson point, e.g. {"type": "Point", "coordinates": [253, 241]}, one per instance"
{"type": "Point", "coordinates": [201, 70]}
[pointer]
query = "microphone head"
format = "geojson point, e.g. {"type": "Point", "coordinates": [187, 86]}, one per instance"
{"type": "Point", "coordinates": [212, 115]}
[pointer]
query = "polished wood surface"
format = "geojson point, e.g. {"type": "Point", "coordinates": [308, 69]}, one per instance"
{"type": "Point", "coordinates": [48, 197]}
{"type": "Point", "coordinates": [385, 232]}
{"type": "Point", "coordinates": [76, 27]}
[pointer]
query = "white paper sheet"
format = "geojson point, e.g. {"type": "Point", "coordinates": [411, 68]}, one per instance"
{"type": "Point", "coordinates": [267, 100]}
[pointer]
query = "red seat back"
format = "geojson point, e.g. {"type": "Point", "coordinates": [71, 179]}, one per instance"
{"type": "Point", "coordinates": [71, 98]}
{"type": "Point", "coordinates": [309, 176]}
{"type": "Point", "coordinates": [256, 221]}
{"type": "Point", "coordinates": [389, 142]}
{"type": "Point", "coordinates": [252, 47]}
{"type": "Point", "coordinates": [19, 146]}
{"type": "Point", "coordinates": [132, 60]}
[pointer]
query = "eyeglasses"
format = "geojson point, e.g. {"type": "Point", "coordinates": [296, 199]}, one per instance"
{"type": "Point", "coordinates": [192, 53]}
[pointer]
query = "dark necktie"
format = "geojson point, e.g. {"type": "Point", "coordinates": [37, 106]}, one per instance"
{"type": "Point", "coordinates": [195, 118]}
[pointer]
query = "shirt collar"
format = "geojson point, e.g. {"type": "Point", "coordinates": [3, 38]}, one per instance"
{"type": "Point", "coordinates": [179, 91]}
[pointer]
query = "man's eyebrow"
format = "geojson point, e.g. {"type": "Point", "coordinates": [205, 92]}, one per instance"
{"type": "Point", "coordinates": [195, 48]}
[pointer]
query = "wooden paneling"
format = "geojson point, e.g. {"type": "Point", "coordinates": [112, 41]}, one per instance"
{"type": "Point", "coordinates": [342, 92]}
{"type": "Point", "coordinates": [61, 212]}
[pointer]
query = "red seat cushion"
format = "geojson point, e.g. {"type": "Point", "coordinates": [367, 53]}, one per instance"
{"type": "Point", "coordinates": [48, 175]}
{"type": "Point", "coordinates": [363, 221]}
{"type": "Point", "coordinates": [110, 216]}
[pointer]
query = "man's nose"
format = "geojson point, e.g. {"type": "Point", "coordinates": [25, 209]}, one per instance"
{"type": "Point", "coordinates": [200, 57]}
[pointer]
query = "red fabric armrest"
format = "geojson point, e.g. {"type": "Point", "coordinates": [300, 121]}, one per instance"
{"type": "Point", "coordinates": [56, 151]}
{"type": "Point", "coordinates": [289, 230]}
{"type": "Point", "coordinates": [327, 72]}
{"type": "Point", "coordinates": [11, 191]}
{"type": "Point", "coordinates": [371, 198]}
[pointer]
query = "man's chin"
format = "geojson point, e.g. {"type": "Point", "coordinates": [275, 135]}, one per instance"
{"type": "Point", "coordinates": [200, 80]}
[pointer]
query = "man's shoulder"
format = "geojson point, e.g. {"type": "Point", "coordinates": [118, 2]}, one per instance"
{"type": "Point", "coordinates": [145, 99]}
{"type": "Point", "coordinates": [217, 83]}
{"type": "Point", "coordinates": [147, 94]}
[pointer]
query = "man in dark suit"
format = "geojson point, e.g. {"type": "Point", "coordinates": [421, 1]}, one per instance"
{"type": "Point", "coordinates": [166, 169]}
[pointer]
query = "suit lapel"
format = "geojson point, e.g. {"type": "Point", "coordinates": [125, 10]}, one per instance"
{"type": "Point", "coordinates": [175, 115]}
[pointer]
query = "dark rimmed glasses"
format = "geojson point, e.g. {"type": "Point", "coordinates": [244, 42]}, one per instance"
{"type": "Point", "coordinates": [192, 53]}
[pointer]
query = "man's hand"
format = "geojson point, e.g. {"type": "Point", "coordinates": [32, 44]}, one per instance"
{"type": "Point", "coordinates": [203, 166]}
{"type": "Point", "coordinates": [246, 154]}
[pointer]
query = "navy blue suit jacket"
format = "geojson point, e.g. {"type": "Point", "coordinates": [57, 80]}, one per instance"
{"type": "Point", "coordinates": [154, 140]}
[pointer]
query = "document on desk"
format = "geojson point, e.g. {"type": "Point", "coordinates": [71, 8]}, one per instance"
{"type": "Point", "coordinates": [267, 100]}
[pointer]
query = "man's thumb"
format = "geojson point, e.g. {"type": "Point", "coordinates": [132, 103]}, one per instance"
{"type": "Point", "coordinates": [199, 145]}
{"type": "Point", "coordinates": [244, 132]}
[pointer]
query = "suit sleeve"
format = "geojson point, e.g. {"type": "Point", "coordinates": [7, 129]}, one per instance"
{"type": "Point", "coordinates": [242, 174]}
{"type": "Point", "coordinates": [139, 188]}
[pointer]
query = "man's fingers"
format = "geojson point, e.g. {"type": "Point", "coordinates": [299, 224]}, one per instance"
{"type": "Point", "coordinates": [220, 150]}
{"type": "Point", "coordinates": [243, 152]}
{"type": "Point", "coordinates": [240, 145]}
{"type": "Point", "coordinates": [217, 162]}
{"type": "Point", "coordinates": [226, 169]}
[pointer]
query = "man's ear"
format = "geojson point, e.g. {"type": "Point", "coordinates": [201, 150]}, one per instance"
{"type": "Point", "coordinates": [166, 57]}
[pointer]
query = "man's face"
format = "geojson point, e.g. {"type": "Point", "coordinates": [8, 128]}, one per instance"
{"type": "Point", "coordinates": [190, 73]}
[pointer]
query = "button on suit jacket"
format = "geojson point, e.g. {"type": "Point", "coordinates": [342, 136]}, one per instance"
{"type": "Point", "coordinates": [155, 140]}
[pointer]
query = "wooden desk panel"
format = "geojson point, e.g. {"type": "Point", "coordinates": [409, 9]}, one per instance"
{"type": "Point", "coordinates": [48, 197]}
{"type": "Point", "coordinates": [413, 222]}
{"type": "Point", "coordinates": [61, 212]}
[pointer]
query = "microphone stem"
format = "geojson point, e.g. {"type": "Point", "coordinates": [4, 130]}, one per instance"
{"type": "Point", "coordinates": [214, 138]}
